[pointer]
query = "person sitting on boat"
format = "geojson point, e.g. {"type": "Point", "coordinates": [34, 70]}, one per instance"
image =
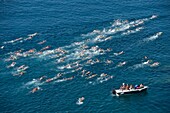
{"type": "Point", "coordinates": [123, 86]}
{"type": "Point", "coordinates": [127, 87]}
{"type": "Point", "coordinates": [141, 85]}
{"type": "Point", "coordinates": [130, 87]}
{"type": "Point", "coordinates": [137, 86]}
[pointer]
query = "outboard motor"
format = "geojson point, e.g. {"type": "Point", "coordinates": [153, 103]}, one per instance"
{"type": "Point", "coordinates": [114, 92]}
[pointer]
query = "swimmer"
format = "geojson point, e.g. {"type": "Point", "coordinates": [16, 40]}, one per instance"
{"type": "Point", "coordinates": [69, 78]}
{"type": "Point", "coordinates": [61, 60]}
{"type": "Point", "coordinates": [2, 47]}
{"type": "Point", "coordinates": [17, 39]}
{"type": "Point", "coordinates": [103, 75]}
{"type": "Point", "coordinates": [85, 47]}
{"type": "Point", "coordinates": [19, 73]}
{"type": "Point", "coordinates": [18, 53]}
{"type": "Point", "coordinates": [68, 66]}
{"type": "Point", "coordinates": [24, 68]}
{"type": "Point", "coordinates": [29, 38]}
{"type": "Point", "coordinates": [83, 72]}
{"type": "Point", "coordinates": [92, 76]}
{"type": "Point", "coordinates": [117, 23]}
{"type": "Point", "coordinates": [97, 61]}
{"type": "Point", "coordinates": [89, 61]}
{"type": "Point", "coordinates": [21, 67]}
{"type": "Point", "coordinates": [153, 16]}
{"type": "Point", "coordinates": [22, 73]}
{"type": "Point", "coordinates": [12, 65]}
{"type": "Point", "coordinates": [32, 35]}
{"type": "Point", "coordinates": [41, 78]}
{"type": "Point", "coordinates": [31, 51]}
{"type": "Point", "coordinates": [109, 49]}
{"type": "Point", "coordinates": [77, 43]}
{"type": "Point", "coordinates": [110, 77]}
{"type": "Point", "coordinates": [39, 53]}
{"type": "Point", "coordinates": [35, 89]}
{"type": "Point", "coordinates": [80, 101]}
{"type": "Point", "coordinates": [147, 62]}
{"type": "Point", "coordinates": [100, 36]}
{"type": "Point", "coordinates": [12, 57]}
{"type": "Point", "coordinates": [87, 73]}
{"type": "Point", "coordinates": [116, 54]}
{"type": "Point", "coordinates": [12, 41]}
{"type": "Point", "coordinates": [58, 75]}
{"type": "Point", "coordinates": [121, 64]}
{"type": "Point", "coordinates": [101, 51]}
{"type": "Point", "coordinates": [78, 69]}
{"type": "Point", "coordinates": [154, 64]}
{"type": "Point", "coordinates": [96, 31]}
{"type": "Point", "coordinates": [108, 61]}
{"type": "Point", "coordinates": [42, 42]}
{"type": "Point", "coordinates": [49, 80]}
{"type": "Point", "coordinates": [65, 79]}
{"type": "Point", "coordinates": [146, 57]}
{"type": "Point", "coordinates": [108, 38]}
{"type": "Point", "coordinates": [45, 48]}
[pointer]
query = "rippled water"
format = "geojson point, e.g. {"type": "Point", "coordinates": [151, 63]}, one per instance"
{"type": "Point", "coordinates": [54, 52]}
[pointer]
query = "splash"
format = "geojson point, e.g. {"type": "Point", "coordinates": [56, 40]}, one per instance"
{"type": "Point", "coordinates": [21, 39]}
{"type": "Point", "coordinates": [154, 37]}
{"type": "Point", "coordinates": [128, 32]}
{"type": "Point", "coordinates": [74, 57]}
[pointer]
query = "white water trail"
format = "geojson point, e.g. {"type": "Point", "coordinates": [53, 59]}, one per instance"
{"type": "Point", "coordinates": [154, 37]}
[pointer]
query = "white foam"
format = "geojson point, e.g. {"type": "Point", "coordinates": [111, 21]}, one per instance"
{"type": "Point", "coordinates": [32, 35]}
{"type": "Point", "coordinates": [119, 26]}
{"type": "Point", "coordinates": [151, 38]}
{"type": "Point", "coordinates": [13, 41]}
{"type": "Point", "coordinates": [120, 64]}
{"type": "Point", "coordinates": [79, 103]}
{"type": "Point", "coordinates": [142, 65]}
{"type": "Point", "coordinates": [132, 31]}
{"type": "Point", "coordinates": [153, 17]}
{"type": "Point", "coordinates": [105, 79]}
{"type": "Point", "coordinates": [33, 83]}
{"type": "Point", "coordinates": [82, 50]}
{"type": "Point", "coordinates": [155, 64]}
{"type": "Point", "coordinates": [136, 66]}
{"type": "Point", "coordinates": [2, 47]}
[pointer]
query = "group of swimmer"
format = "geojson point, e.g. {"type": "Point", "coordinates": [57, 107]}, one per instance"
{"type": "Point", "coordinates": [44, 80]}
{"type": "Point", "coordinates": [21, 70]}
{"type": "Point", "coordinates": [129, 87]}
{"type": "Point", "coordinates": [90, 75]}
{"type": "Point", "coordinates": [30, 36]}
{"type": "Point", "coordinates": [80, 50]}
{"type": "Point", "coordinates": [102, 77]}
{"type": "Point", "coordinates": [150, 62]}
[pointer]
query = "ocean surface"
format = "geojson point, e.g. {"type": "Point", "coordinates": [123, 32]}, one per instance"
{"type": "Point", "coordinates": [53, 52]}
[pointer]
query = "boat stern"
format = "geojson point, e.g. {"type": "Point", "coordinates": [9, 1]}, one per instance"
{"type": "Point", "coordinates": [114, 92]}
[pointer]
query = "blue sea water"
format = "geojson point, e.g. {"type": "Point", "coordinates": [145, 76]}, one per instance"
{"type": "Point", "coordinates": [76, 31]}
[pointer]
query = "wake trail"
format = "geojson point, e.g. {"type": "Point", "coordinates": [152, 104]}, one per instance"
{"type": "Point", "coordinates": [154, 37]}
{"type": "Point", "coordinates": [71, 57]}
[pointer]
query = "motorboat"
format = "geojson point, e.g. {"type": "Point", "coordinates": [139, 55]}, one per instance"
{"type": "Point", "coordinates": [119, 92]}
